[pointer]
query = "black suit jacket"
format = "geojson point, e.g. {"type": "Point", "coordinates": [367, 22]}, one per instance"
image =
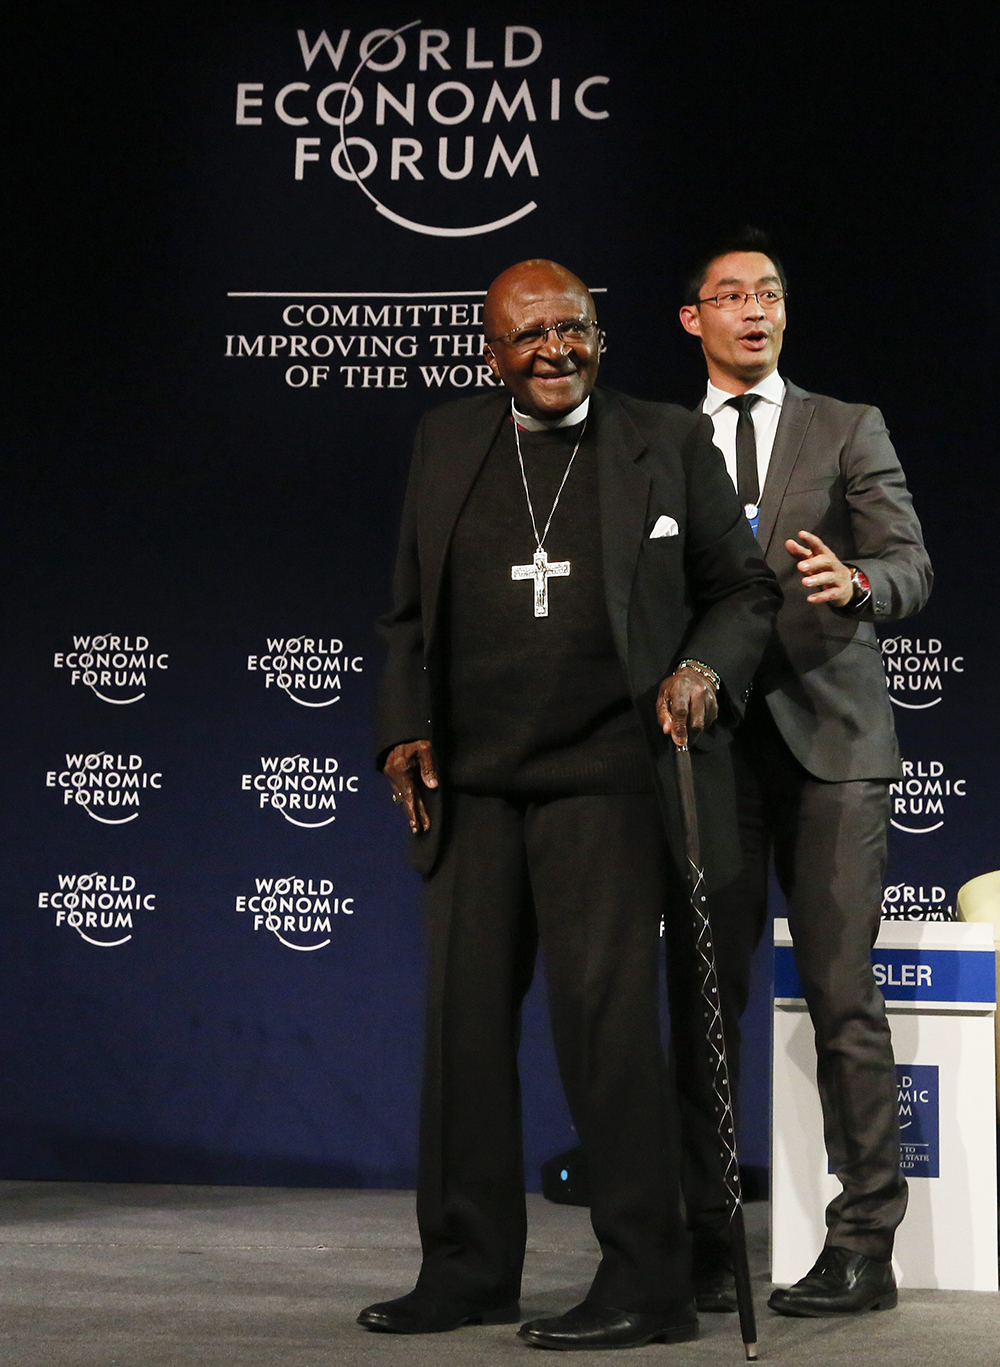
{"type": "Point", "coordinates": [703, 591]}
{"type": "Point", "coordinates": [833, 471]}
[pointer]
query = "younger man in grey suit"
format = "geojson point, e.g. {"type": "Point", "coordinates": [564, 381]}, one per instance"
{"type": "Point", "coordinates": [826, 497]}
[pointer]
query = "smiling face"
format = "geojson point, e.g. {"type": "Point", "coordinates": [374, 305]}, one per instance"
{"type": "Point", "coordinates": [742, 346]}
{"type": "Point", "coordinates": [558, 376]}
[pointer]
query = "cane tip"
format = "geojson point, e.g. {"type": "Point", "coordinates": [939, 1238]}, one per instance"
{"type": "Point", "coordinates": [751, 1351]}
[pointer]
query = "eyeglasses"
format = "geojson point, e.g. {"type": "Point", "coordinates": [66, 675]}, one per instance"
{"type": "Point", "coordinates": [735, 299]}
{"type": "Point", "coordinates": [530, 339]}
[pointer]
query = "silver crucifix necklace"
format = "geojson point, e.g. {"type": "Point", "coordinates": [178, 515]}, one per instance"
{"type": "Point", "coordinates": [541, 570]}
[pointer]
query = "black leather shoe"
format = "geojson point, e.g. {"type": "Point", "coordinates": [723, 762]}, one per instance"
{"type": "Point", "coordinates": [841, 1283]}
{"type": "Point", "coordinates": [599, 1326]}
{"type": "Point", "coordinates": [424, 1312]}
{"type": "Point", "coordinates": [712, 1273]}
{"type": "Point", "coordinates": [715, 1292]}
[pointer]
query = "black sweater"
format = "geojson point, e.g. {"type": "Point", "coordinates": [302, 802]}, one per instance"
{"type": "Point", "coordinates": [536, 704]}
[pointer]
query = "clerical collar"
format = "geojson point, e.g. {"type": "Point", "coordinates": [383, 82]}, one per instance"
{"type": "Point", "coordinates": [528, 423]}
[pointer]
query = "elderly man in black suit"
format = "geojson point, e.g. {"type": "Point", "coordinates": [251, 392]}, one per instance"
{"type": "Point", "coordinates": [576, 592]}
{"type": "Point", "coordinates": [826, 497]}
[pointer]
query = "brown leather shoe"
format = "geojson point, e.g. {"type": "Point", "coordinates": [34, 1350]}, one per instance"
{"type": "Point", "coordinates": [842, 1282]}
{"type": "Point", "coordinates": [425, 1312]}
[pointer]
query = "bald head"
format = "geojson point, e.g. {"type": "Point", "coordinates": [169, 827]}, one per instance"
{"type": "Point", "coordinates": [555, 377]}
{"type": "Point", "coordinates": [525, 284]}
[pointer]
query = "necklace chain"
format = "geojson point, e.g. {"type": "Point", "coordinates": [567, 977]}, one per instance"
{"type": "Point", "coordinates": [540, 540]}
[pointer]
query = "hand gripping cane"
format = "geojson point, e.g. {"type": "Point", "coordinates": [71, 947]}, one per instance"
{"type": "Point", "coordinates": [709, 985]}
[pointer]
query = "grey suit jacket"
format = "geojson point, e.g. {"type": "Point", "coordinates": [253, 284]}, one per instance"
{"type": "Point", "coordinates": [703, 591]}
{"type": "Point", "coordinates": [833, 471]}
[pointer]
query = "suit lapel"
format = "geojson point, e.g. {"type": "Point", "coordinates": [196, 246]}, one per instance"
{"type": "Point", "coordinates": [624, 495]}
{"type": "Point", "coordinates": [458, 457]}
{"type": "Point", "coordinates": [796, 415]}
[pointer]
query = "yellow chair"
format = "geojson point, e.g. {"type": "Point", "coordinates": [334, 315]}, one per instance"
{"type": "Point", "coordinates": [979, 900]}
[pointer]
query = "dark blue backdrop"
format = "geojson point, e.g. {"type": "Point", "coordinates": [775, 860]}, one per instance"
{"type": "Point", "coordinates": [176, 485]}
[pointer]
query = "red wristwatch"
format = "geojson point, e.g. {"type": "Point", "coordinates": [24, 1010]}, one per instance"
{"type": "Point", "coordinates": [861, 586]}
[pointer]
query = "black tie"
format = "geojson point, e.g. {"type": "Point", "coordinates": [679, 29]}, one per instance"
{"type": "Point", "coordinates": [747, 484]}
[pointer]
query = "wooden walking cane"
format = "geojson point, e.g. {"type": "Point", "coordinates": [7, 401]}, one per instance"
{"type": "Point", "coordinates": [709, 984]}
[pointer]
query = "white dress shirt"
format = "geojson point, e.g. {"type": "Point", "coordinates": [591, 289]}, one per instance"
{"type": "Point", "coordinates": [765, 415]}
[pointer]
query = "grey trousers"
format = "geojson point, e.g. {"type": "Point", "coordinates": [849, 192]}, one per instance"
{"type": "Point", "coordinates": [585, 877]}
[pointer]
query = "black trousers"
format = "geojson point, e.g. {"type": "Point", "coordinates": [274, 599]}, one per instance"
{"type": "Point", "coordinates": [829, 847]}
{"type": "Point", "coordinates": [585, 877]}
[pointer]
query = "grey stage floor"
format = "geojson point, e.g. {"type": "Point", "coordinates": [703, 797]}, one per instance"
{"type": "Point", "coordinates": [146, 1276]}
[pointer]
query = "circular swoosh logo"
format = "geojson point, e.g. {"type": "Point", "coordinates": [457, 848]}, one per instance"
{"type": "Point", "coordinates": [428, 229]}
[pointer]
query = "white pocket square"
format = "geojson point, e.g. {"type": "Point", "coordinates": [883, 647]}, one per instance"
{"type": "Point", "coordinates": [665, 526]}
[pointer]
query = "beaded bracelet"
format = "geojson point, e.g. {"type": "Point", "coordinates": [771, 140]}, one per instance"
{"type": "Point", "coordinates": [706, 671]}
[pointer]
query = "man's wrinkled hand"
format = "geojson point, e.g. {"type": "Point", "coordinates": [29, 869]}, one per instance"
{"type": "Point", "coordinates": [821, 570]}
{"type": "Point", "coordinates": [686, 705]}
{"type": "Point", "coordinates": [407, 766]}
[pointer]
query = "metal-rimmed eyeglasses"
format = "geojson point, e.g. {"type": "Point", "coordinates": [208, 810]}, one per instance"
{"type": "Point", "coordinates": [531, 338]}
{"type": "Point", "coordinates": [736, 299]}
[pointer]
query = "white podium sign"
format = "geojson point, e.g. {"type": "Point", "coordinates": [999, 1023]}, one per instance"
{"type": "Point", "coordinates": [939, 982]}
